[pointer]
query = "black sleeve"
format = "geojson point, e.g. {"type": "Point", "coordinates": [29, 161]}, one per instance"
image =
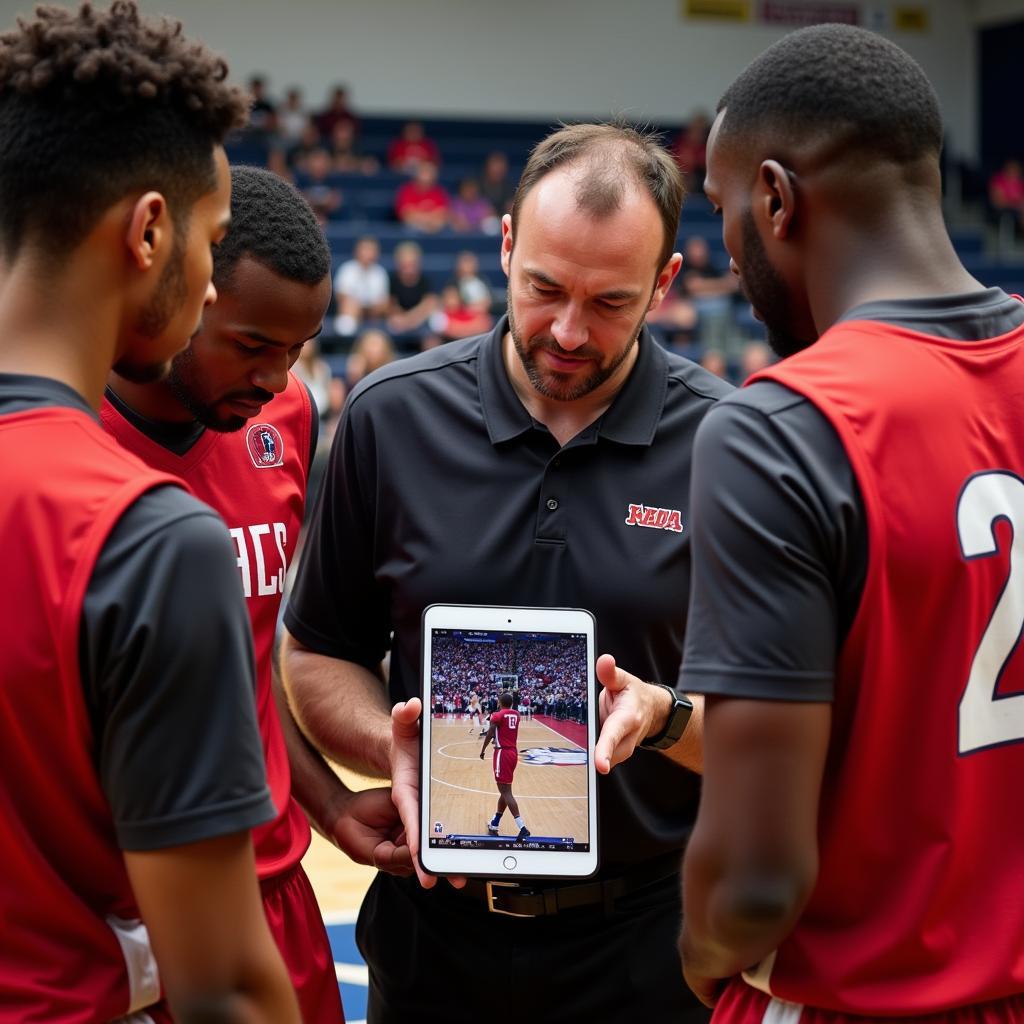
{"type": "Point", "coordinates": [314, 428]}
{"type": "Point", "coordinates": [337, 606]}
{"type": "Point", "coordinates": [167, 665]}
{"type": "Point", "coordinates": [779, 545]}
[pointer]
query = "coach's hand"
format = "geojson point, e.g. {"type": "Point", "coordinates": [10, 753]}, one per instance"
{"type": "Point", "coordinates": [405, 781]}
{"type": "Point", "coordinates": [631, 710]}
{"type": "Point", "coordinates": [369, 830]}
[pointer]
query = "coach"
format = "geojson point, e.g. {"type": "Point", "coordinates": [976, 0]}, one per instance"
{"type": "Point", "coordinates": [545, 463]}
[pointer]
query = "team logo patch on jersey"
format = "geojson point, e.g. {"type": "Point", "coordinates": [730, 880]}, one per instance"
{"type": "Point", "coordinates": [655, 518]}
{"type": "Point", "coordinates": [266, 448]}
{"type": "Point", "coordinates": [553, 755]}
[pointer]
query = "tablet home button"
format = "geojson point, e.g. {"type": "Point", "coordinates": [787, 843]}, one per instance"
{"type": "Point", "coordinates": [510, 863]}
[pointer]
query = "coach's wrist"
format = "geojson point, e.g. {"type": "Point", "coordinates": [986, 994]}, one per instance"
{"type": "Point", "coordinates": [659, 702]}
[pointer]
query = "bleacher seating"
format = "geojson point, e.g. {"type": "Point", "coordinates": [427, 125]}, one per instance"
{"type": "Point", "coordinates": [368, 202]}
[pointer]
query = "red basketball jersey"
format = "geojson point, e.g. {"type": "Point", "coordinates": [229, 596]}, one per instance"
{"type": "Point", "coordinates": [506, 727]}
{"type": "Point", "coordinates": [256, 479]}
{"type": "Point", "coordinates": [70, 925]}
{"type": "Point", "coordinates": [918, 905]}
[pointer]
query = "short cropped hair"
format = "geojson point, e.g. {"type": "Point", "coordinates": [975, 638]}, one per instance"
{"type": "Point", "coordinates": [98, 104]}
{"type": "Point", "coordinates": [838, 80]}
{"type": "Point", "coordinates": [272, 224]}
{"type": "Point", "coordinates": [505, 699]}
{"type": "Point", "coordinates": [610, 155]}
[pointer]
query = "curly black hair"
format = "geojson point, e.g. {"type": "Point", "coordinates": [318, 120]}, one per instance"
{"type": "Point", "coordinates": [272, 223]}
{"type": "Point", "coordinates": [841, 81]}
{"type": "Point", "coordinates": [97, 104]}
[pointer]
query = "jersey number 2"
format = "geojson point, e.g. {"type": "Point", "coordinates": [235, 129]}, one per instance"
{"type": "Point", "coordinates": [987, 720]}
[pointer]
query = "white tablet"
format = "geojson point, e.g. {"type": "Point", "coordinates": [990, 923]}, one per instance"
{"type": "Point", "coordinates": [507, 778]}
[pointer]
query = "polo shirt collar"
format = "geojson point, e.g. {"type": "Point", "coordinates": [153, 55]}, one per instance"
{"type": "Point", "coordinates": [632, 418]}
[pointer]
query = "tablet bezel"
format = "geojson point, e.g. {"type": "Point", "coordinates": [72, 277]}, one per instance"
{"type": "Point", "coordinates": [487, 863]}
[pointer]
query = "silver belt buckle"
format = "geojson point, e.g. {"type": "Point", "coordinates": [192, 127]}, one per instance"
{"type": "Point", "coordinates": [490, 899]}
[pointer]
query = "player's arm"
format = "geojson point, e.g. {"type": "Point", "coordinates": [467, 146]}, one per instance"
{"type": "Point", "coordinates": [488, 737]}
{"type": "Point", "coordinates": [202, 908]}
{"type": "Point", "coordinates": [363, 825]}
{"type": "Point", "coordinates": [752, 859]}
{"type": "Point", "coordinates": [774, 517]}
{"type": "Point", "coordinates": [166, 653]}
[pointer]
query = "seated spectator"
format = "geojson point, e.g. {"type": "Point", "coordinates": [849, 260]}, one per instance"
{"type": "Point", "coordinates": [361, 288]}
{"type": "Point", "coordinates": [371, 351]}
{"type": "Point", "coordinates": [297, 155]}
{"type": "Point", "coordinates": [690, 151]}
{"type": "Point", "coordinates": [455, 319]}
{"type": "Point", "coordinates": [713, 360]}
{"type": "Point", "coordinates": [262, 115]}
{"type": "Point", "coordinates": [495, 186]}
{"type": "Point", "coordinates": [411, 149]}
{"type": "Point", "coordinates": [470, 211]}
{"type": "Point", "coordinates": [291, 118]}
{"type": "Point", "coordinates": [1006, 190]}
{"type": "Point", "coordinates": [328, 393]}
{"type": "Point", "coordinates": [337, 110]}
{"type": "Point", "coordinates": [756, 356]}
{"type": "Point", "coordinates": [422, 204]}
{"type": "Point", "coordinates": [345, 155]}
{"type": "Point", "coordinates": [412, 299]}
{"type": "Point", "coordinates": [315, 185]}
{"type": "Point", "coordinates": [710, 289]}
{"type": "Point", "coordinates": [474, 291]}
{"type": "Point", "coordinates": [674, 320]}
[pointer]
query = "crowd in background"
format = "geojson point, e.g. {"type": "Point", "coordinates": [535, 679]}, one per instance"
{"type": "Point", "coordinates": [385, 303]}
{"type": "Point", "coordinates": [545, 677]}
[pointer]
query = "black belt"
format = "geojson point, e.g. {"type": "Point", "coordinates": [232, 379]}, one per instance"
{"type": "Point", "coordinates": [530, 899]}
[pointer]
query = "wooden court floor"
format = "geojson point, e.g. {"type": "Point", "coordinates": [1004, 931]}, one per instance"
{"type": "Point", "coordinates": [552, 800]}
{"type": "Point", "coordinates": [552, 796]}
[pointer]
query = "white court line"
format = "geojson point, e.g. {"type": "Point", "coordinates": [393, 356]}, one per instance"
{"type": "Point", "coordinates": [490, 792]}
{"type": "Point", "coordinates": [458, 757]}
{"type": "Point", "coordinates": [352, 974]}
{"type": "Point", "coordinates": [565, 739]}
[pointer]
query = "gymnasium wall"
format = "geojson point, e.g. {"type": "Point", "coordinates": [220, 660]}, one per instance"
{"type": "Point", "coordinates": [538, 58]}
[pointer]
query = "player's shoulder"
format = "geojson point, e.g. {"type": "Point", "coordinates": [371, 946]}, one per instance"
{"type": "Point", "coordinates": [447, 367]}
{"type": "Point", "coordinates": [768, 398]}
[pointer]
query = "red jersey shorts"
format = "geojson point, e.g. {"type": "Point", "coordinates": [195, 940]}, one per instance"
{"type": "Point", "coordinates": [741, 1004]}
{"type": "Point", "coordinates": [505, 761]}
{"type": "Point", "coordinates": [298, 929]}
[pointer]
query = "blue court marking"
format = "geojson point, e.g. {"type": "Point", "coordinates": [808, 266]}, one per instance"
{"type": "Point", "coordinates": [348, 964]}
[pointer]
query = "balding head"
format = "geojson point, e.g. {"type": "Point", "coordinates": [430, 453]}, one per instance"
{"type": "Point", "coordinates": [608, 160]}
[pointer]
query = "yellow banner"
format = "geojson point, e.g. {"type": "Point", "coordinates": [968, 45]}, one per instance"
{"type": "Point", "coordinates": [910, 19]}
{"type": "Point", "coordinates": [722, 10]}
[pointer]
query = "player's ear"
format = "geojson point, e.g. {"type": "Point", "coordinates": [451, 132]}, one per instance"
{"type": "Point", "coordinates": [777, 198]}
{"type": "Point", "coordinates": [149, 230]}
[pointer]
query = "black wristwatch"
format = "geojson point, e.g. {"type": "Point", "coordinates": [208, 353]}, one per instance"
{"type": "Point", "coordinates": [678, 716]}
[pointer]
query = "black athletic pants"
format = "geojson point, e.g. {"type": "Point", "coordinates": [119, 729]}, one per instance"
{"type": "Point", "coordinates": [438, 956]}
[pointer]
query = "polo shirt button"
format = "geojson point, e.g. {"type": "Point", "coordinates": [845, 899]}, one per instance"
{"type": "Point", "coordinates": [552, 504]}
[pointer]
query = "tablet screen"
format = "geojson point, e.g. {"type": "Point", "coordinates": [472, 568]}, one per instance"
{"type": "Point", "coordinates": [525, 695]}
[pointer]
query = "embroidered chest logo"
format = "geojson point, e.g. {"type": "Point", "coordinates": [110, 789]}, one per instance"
{"type": "Point", "coordinates": [655, 518]}
{"type": "Point", "coordinates": [266, 448]}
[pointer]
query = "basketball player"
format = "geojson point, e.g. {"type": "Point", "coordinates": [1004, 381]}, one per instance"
{"type": "Point", "coordinates": [857, 855]}
{"type": "Point", "coordinates": [131, 765]}
{"type": "Point", "coordinates": [476, 712]}
{"type": "Point", "coordinates": [232, 421]}
{"type": "Point", "coordinates": [504, 731]}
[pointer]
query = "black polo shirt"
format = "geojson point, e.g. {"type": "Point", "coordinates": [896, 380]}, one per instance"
{"type": "Point", "coordinates": [442, 488]}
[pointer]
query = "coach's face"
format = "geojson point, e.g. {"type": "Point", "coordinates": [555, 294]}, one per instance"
{"type": "Point", "coordinates": [248, 341]}
{"type": "Point", "coordinates": [580, 286]}
{"type": "Point", "coordinates": [755, 202]}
